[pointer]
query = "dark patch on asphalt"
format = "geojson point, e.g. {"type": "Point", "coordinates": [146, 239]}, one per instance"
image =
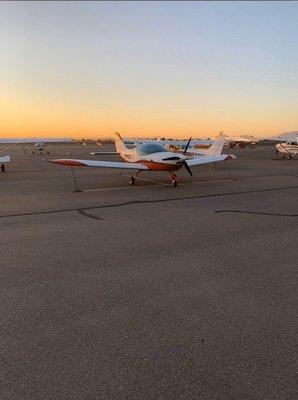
{"type": "Point", "coordinates": [136, 202]}
{"type": "Point", "coordinates": [85, 214]}
{"type": "Point", "coordinates": [256, 212]}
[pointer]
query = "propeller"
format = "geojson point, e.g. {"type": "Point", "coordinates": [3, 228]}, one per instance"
{"type": "Point", "coordinates": [184, 163]}
{"type": "Point", "coordinates": [188, 143]}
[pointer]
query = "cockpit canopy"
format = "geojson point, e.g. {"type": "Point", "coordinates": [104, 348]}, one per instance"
{"type": "Point", "coordinates": [150, 148]}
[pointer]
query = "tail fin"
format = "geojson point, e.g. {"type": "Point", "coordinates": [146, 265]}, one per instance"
{"type": "Point", "coordinates": [119, 144]}
{"type": "Point", "coordinates": [216, 148]}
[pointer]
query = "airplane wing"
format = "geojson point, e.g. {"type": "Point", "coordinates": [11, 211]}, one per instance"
{"type": "Point", "coordinates": [209, 159]}
{"type": "Point", "coordinates": [8, 148]}
{"type": "Point", "coordinates": [100, 164]}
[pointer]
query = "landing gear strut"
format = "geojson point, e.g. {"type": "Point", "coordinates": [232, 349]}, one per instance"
{"type": "Point", "coordinates": [133, 178]}
{"type": "Point", "coordinates": [173, 179]}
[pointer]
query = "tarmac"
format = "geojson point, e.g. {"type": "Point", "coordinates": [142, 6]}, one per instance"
{"type": "Point", "coordinates": [111, 291]}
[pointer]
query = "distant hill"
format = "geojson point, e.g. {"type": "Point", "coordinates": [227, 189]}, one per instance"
{"type": "Point", "coordinates": [284, 136]}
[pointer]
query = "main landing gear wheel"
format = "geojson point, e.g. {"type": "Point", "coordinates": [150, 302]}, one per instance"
{"type": "Point", "coordinates": [174, 183]}
{"type": "Point", "coordinates": [132, 180]}
{"type": "Point", "coordinates": [3, 168]}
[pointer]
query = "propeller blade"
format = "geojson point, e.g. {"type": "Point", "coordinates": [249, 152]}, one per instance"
{"type": "Point", "coordinates": [187, 168]}
{"type": "Point", "coordinates": [188, 143]}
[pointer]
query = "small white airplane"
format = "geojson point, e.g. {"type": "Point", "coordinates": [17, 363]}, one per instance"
{"type": "Point", "coordinates": [147, 157]}
{"type": "Point", "coordinates": [3, 161]}
{"type": "Point", "coordinates": [289, 148]}
{"type": "Point", "coordinates": [40, 146]}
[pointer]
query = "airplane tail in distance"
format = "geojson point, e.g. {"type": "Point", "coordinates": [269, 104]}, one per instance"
{"type": "Point", "coordinates": [119, 144]}
{"type": "Point", "coordinates": [216, 148]}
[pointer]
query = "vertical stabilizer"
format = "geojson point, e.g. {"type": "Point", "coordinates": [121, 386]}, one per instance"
{"type": "Point", "coordinates": [119, 144]}
{"type": "Point", "coordinates": [216, 148]}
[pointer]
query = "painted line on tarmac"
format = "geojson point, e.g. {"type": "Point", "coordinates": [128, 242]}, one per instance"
{"type": "Point", "coordinates": [159, 183]}
{"type": "Point", "coordinates": [137, 202]}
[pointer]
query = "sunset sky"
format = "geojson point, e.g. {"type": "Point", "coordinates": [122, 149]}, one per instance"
{"type": "Point", "coordinates": [87, 69]}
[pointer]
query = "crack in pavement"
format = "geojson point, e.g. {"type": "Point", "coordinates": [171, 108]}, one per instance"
{"type": "Point", "coordinates": [85, 214]}
{"type": "Point", "coordinates": [136, 202]}
{"type": "Point", "coordinates": [256, 212]}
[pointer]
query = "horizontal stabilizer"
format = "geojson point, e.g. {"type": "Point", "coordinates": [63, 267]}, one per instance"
{"type": "Point", "coordinates": [209, 159]}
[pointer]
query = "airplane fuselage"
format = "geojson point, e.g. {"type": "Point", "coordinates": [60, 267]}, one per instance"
{"type": "Point", "coordinates": [287, 148]}
{"type": "Point", "coordinates": [154, 156]}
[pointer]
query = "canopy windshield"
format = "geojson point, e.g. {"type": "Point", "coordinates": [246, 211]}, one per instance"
{"type": "Point", "coordinates": [150, 148]}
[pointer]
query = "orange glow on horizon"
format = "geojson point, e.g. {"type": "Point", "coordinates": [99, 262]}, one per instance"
{"type": "Point", "coordinates": [20, 118]}
{"type": "Point", "coordinates": [25, 121]}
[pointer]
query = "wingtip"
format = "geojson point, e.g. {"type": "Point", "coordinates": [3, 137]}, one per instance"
{"type": "Point", "coordinates": [230, 157]}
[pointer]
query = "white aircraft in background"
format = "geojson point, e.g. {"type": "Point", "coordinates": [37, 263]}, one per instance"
{"type": "Point", "coordinates": [173, 144]}
{"type": "Point", "coordinates": [242, 141]}
{"type": "Point", "coordinates": [147, 157]}
{"type": "Point", "coordinates": [39, 143]}
{"type": "Point", "coordinates": [215, 149]}
{"type": "Point", "coordinates": [289, 148]}
{"type": "Point", "coordinates": [192, 150]}
{"type": "Point", "coordinates": [231, 141]}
